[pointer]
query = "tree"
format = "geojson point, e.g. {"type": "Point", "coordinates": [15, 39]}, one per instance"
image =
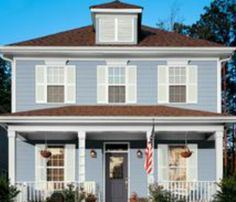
{"type": "Point", "coordinates": [5, 86]}
{"type": "Point", "coordinates": [174, 18]}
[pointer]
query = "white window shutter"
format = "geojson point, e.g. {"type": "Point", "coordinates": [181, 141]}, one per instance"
{"type": "Point", "coordinates": [102, 84]}
{"type": "Point", "coordinates": [107, 29]}
{"type": "Point", "coordinates": [162, 84]}
{"type": "Point", "coordinates": [125, 29]}
{"type": "Point", "coordinates": [162, 162]}
{"type": "Point", "coordinates": [41, 84]}
{"type": "Point", "coordinates": [40, 167]}
{"type": "Point", "coordinates": [192, 80]}
{"type": "Point", "coordinates": [70, 159]}
{"type": "Point", "coordinates": [192, 162]}
{"type": "Point", "coordinates": [131, 84]}
{"type": "Point", "coordinates": [70, 84]}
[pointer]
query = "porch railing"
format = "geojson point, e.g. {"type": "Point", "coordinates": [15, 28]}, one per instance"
{"type": "Point", "coordinates": [199, 191]}
{"type": "Point", "coordinates": [38, 192]}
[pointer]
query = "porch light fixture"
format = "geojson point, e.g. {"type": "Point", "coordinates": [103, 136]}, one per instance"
{"type": "Point", "coordinates": [139, 154]}
{"type": "Point", "coordinates": [93, 153]}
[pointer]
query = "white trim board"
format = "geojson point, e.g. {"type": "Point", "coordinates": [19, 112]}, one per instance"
{"type": "Point", "coordinates": [97, 51]}
{"type": "Point", "coordinates": [121, 119]}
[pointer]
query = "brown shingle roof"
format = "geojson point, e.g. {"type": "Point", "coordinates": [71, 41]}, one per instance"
{"type": "Point", "coordinates": [116, 5]}
{"type": "Point", "coordinates": [149, 37]}
{"type": "Point", "coordinates": [137, 110]}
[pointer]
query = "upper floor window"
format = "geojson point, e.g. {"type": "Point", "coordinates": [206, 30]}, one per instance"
{"type": "Point", "coordinates": [55, 84]}
{"type": "Point", "coordinates": [177, 84]}
{"type": "Point", "coordinates": [116, 29]}
{"type": "Point", "coordinates": [116, 84]}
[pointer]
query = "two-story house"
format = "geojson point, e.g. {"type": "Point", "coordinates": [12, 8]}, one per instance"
{"type": "Point", "coordinates": [89, 98]}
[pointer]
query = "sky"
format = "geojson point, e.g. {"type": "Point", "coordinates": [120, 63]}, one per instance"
{"type": "Point", "coordinates": [26, 19]}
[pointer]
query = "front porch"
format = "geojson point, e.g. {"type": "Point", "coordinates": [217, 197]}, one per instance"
{"type": "Point", "coordinates": [89, 149]}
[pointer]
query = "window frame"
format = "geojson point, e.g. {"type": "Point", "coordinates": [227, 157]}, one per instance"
{"type": "Point", "coordinates": [116, 30]}
{"type": "Point", "coordinates": [119, 85]}
{"type": "Point", "coordinates": [55, 84]}
{"type": "Point", "coordinates": [56, 167]}
{"type": "Point", "coordinates": [185, 84]}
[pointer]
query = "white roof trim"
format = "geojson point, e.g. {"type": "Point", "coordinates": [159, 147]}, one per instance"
{"type": "Point", "coordinates": [116, 119]}
{"type": "Point", "coordinates": [128, 51]}
{"type": "Point", "coordinates": [110, 10]}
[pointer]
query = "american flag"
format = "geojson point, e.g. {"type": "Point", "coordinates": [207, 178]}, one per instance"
{"type": "Point", "coordinates": [148, 166]}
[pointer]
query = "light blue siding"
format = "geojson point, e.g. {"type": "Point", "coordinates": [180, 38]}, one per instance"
{"type": "Point", "coordinates": [138, 177]}
{"type": "Point", "coordinates": [94, 166]}
{"type": "Point", "coordinates": [207, 87]}
{"type": "Point", "coordinates": [25, 161]}
{"type": "Point", "coordinates": [86, 90]}
{"type": "Point", "coordinates": [206, 164]}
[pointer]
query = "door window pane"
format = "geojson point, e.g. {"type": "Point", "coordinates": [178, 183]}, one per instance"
{"type": "Point", "coordinates": [116, 167]}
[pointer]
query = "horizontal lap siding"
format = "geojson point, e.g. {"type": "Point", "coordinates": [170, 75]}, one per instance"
{"type": "Point", "coordinates": [25, 161]}
{"type": "Point", "coordinates": [138, 177]}
{"type": "Point", "coordinates": [207, 87]}
{"type": "Point", "coordinates": [86, 84]}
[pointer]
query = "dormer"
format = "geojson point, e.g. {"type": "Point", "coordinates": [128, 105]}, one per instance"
{"type": "Point", "coordinates": [116, 23]}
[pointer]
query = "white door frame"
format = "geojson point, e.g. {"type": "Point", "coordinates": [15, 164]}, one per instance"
{"type": "Point", "coordinates": [104, 164]}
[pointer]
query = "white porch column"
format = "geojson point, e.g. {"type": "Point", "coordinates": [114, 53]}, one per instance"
{"type": "Point", "coordinates": [12, 156]}
{"type": "Point", "coordinates": [219, 154]}
{"type": "Point", "coordinates": [150, 177]}
{"type": "Point", "coordinates": [82, 145]}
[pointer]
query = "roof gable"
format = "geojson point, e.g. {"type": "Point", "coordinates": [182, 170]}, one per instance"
{"type": "Point", "coordinates": [116, 5]}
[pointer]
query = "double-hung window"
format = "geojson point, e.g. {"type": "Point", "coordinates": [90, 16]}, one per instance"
{"type": "Point", "coordinates": [55, 85]}
{"type": "Point", "coordinates": [116, 85]}
{"type": "Point", "coordinates": [177, 84]}
{"type": "Point", "coordinates": [55, 164]}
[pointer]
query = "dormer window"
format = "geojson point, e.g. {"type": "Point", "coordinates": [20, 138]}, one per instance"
{"type": "Point", "coordinates": [116, 29]}
{"type": "Point", "coordinates": [116, 23]}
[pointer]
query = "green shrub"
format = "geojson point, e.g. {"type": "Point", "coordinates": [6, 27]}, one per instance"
{"type": "Point", "coordinates": [158, 194]}
{"type": "Point", "coordinates": [227, 192]}
{"type": "Point", "coordinates": [72, 194]}
{"type": "Point", "coordinates": [7, 191]}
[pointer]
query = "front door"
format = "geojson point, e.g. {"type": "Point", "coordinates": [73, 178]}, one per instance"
{"type": "Point", "coordinates": [116, 177]}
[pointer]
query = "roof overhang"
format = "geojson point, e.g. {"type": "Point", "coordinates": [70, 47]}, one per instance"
{"type": "Point", "coordinates": [105, 10]}
{"type": "Point", "coordinates": [122, 51]}
{"type": "Point", "coordinates": [117, 119]}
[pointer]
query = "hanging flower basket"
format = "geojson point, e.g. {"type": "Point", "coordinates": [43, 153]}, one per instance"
{"type": "Point", "coordinates": [45, 153]}
{"type": "Point", "coordinates": [186, 153]}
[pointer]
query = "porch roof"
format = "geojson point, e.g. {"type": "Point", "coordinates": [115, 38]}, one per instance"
{"type": "Point", "coordinates": [117, 110]}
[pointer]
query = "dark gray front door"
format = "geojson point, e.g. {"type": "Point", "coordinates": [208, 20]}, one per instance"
{"type": "Point", "coordinates": [116, 177]}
